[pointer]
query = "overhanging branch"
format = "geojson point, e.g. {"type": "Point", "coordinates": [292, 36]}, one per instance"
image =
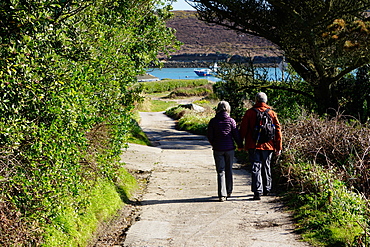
{"type": "Point", "coordinates": [292, 90]}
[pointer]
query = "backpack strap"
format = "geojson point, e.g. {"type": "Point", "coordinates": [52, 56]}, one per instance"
{"type": "Point", "coordinates": [267, 109]}
{"type": "Point", "coordinates": [257, 111]}
{"type": "Point", "coordinates": [267, 113]}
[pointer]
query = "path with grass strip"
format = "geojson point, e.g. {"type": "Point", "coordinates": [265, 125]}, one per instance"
{"type": "Point", "coordinates": [181, 207]}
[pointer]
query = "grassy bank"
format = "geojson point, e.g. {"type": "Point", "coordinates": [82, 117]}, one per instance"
{"type": "Point", "coordinates": [324, 168]}
{"type": "Point", "coordinates": [168, 85]}
{"type": "Point", "coordinates": [190, 120]}
{"type": "Point", "coordinates": [77, 227]}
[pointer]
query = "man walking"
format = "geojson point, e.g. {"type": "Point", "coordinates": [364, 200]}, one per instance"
{"type": "Point", "coordinates": [260, 154]}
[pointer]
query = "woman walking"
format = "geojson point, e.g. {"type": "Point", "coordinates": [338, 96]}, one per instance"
{"type": "Point", "coordinates": [222, 133]}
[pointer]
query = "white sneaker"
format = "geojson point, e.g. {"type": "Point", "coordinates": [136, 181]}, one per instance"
{"type": "Point", "coordinates": [223, 198]}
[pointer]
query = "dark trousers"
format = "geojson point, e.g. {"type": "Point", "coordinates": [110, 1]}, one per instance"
{"type": "Point", "coordinates": [224, 165]}
{"type": "Point", "coordinates": [261, 170]}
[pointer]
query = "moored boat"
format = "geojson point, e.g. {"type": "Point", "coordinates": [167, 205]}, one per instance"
{"type": "Point", "coordinates": [203, 72]}
{"type": "Point", "coordinates": [207, 72]}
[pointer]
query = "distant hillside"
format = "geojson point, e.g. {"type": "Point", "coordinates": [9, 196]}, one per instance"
{"type": "Point", "coordinates": [201, 38]}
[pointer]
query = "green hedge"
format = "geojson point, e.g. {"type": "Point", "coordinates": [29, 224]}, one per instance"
{"type": "Point", "coordinates": [67, 89]}
{"type": "Point", "coordinates": [169, 85]}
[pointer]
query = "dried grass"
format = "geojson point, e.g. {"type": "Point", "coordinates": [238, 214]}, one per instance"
{"type": "Point", "coordinates": [341, 144]}
{"type": "Point", "coordinates": [14, 230]}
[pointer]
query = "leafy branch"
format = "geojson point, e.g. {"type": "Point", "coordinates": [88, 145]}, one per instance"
{"type": "Point", "coordinates": [288, 89]}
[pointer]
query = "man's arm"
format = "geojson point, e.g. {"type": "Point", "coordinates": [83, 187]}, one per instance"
{"type": "Point", "coordinates": [278, 135]}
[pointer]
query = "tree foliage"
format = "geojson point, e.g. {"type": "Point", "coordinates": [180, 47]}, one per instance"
{"type": "Point", "coordinates": [241, 82]}
{"type": "Point", "coordinates": [322, 40]}
{"type": "Point", "coordinates": [67, 86]}
{"type": "Point", "coordinates": [355, 94]}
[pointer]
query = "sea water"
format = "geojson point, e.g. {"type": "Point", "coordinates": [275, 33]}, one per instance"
{"type": "Point", "coordinates": [188, 73]}
{"type": "Point", "coordinates": [178, 73]}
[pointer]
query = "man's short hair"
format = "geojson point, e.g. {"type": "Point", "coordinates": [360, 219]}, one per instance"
{"type": "Point", "coordinates": [261, 97]}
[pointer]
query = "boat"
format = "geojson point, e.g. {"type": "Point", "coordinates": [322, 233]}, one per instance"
{"type": "Point", "coordinates": [203, 72]}
{"type": "Point", "coordinates": [207, 72]}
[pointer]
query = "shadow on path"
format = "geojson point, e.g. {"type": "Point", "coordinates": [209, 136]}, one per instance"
{"type": "Point", "coordinates": [196, 200]}
{"type": "Point", "coordinates": [163, 134]}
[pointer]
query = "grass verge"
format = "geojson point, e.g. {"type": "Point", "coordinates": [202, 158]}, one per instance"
{"type": "Point", "coordinates": [190, 120]}
{"type": "Point", "coordinates": [169, 85]}
{"type": "Point", "coordinates": [327, 212]}
{"type": "Point", "coordinates": [75, 228]}
{"type": "Point", "coordinates": [153, 105]}
{"type": "Point", "coordinates": [136, 134]}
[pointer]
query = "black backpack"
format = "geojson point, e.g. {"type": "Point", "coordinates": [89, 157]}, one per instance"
{"type": "Point", "coordinates": [264, 130]}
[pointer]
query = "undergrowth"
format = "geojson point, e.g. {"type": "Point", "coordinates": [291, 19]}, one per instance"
{"type": "Point", "coordinates": [324, 171]}
{"type": "Point", "coordinates": [327, 212]}
{"type": "Point", "coordinates": [169, 85]}
{"type": "Point", "coordinates": [190, 120]}
{"type": "Point", "coordinates": [155, 105]}
{"type": "Point", "coordinates": [188, 92]}
{"type": "Point", "coordinates": [62, 204]}
{"type": "Point", "coordinates": [342, 143]}
{"type": "Point", "coordinates": [72, 227]}
{"type": "Point", "coordinates": [136, 135]}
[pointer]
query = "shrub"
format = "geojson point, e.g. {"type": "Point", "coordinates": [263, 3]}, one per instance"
{"type": "Point", "coordinates": [194, 122]}
{"type": "Point", "coordinates": [327, 212]}
{"type": "Point", "coordinates": [325, 167]}
{"type": "Point", "coordinates": [241, 82]}
{"type": "Point", "coordinates": [66, 97]}
{"type": "Point", "coordinates": [169, 85]}
{"type": "Point", "coordinates": [337, 142]}
{"type": "Point", "coordinates": [188, 92]}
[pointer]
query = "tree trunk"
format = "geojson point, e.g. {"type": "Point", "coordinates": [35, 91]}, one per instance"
{"type": "Point", "coordinates": [324, 96]}
{"type": "Point", "coordinates": [326, 99]}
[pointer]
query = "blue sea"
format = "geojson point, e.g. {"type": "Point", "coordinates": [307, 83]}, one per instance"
{"type": "Point", "coordinates": [178, 73]}
{"type": "Point", "coordinates": [188, 73]}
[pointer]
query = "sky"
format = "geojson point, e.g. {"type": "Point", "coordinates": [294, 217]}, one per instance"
{"type": "Point", "coordinates": [181, 5]}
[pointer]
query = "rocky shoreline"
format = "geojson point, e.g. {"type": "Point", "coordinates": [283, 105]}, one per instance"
{"type": "Point", "coordinates": [208, 60]}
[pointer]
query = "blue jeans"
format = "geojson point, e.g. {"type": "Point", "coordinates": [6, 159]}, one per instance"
{"type": "Point", "coordinates": [224, 165]}
{"type": "Point", "coordinates": [261, 170]}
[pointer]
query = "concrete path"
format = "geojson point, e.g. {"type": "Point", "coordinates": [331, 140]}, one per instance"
{"type": "Point", "coordinates": [181, 207]}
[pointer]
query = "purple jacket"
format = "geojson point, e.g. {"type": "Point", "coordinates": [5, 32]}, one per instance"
{"type": "Point", "coordinates": [222, 132]}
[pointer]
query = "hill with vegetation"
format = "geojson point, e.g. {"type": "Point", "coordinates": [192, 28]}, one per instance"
{"type": "Point", "coordinates": [201, 40]}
